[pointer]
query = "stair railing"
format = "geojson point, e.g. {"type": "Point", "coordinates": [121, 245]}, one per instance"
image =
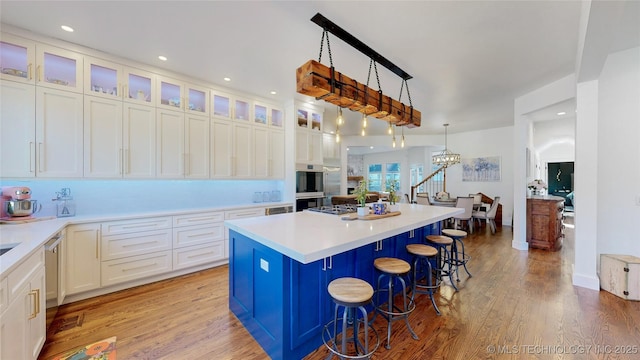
{"type": "Point", "coordinates": [432, 185]}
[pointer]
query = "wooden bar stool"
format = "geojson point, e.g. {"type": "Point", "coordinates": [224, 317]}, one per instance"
{"type": "Point", "coordinates": [444, 244]}
{"type": "Point", "coordinates": [459, 257]}
{"type": "Point", "coordinates": [422, 281]}
{"type": "Point", "coordinates": [352, 294]}
{"type": "Point", "coordinates": [393, 269]}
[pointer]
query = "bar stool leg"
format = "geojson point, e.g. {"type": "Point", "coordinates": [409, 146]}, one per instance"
{"type": "Point", "coordinates": [405, 307]}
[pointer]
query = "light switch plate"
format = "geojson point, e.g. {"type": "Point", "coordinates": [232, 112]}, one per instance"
{"type": "Point", "coordinates": [264, 265]}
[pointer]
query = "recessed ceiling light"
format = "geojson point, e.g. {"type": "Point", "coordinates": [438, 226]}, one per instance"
{"type": "Point", "coordinates": [347, 149]}
{"type": "Point", "coordinates": [227, 79]}
{"type": "Point", "coordinates": [371, 147]}
{"type": "Point", "coordinates": [67, 28]}
{"type": "Point", "coordinates": [163, 58]}
{"type": "Point", "coordinates": [561, 113]}
{"type": "Point", "coordinates": [273, 92]}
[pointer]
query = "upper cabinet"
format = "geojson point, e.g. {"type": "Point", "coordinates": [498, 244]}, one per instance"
{"type": "Point", "coordinates": [308, 134]}
{"type": "Point", "coordinates": [115, 81]}
{"type": "Point", "coordinates": [27, 61]}
{"type": "Point", "coordinates": [17, 59]}
{"type": "Point", "coordinates": [178, 95]}
{"type": "Point", "coordinates": [309, 118]}
{"type": "Point", "coordinates": [58, 68]}
{"type": "Point", "coordinates": [267, 115]}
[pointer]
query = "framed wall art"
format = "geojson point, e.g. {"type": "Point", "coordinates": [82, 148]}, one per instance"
{"type": "Point", "coordinates": [481, 169]}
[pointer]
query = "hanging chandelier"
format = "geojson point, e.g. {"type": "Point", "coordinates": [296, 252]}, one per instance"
{"type": "Point", "coordinates": [445, 157]}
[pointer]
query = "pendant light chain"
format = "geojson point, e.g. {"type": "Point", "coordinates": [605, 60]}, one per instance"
{"type": "Point", "coordinates": [328, 48]}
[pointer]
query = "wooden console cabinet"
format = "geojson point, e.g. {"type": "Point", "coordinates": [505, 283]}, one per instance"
{"type": "Point", "coordinates": [544, 222]}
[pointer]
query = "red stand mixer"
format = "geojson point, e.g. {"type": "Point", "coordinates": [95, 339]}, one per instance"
{"type": "Point", "coordinates": [17, 203]}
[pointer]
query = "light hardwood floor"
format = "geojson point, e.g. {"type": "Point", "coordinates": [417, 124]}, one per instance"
{"type": "Point", "coordinates": [517, 305]}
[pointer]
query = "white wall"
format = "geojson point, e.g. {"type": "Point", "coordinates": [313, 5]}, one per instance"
{"type": "Point", "coordinates": [554, 141]}
{"type": "Point", "coordinates": [485, 143]}
{"type": "Point", "coordinates": [618, 165]}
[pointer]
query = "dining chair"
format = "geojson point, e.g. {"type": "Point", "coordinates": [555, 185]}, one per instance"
{"type": "Point", "coordinates": [477, 201]}
{"type": "Point", "coordinates": [490, 215]}
{"type": "Point", "coordinates": [423, 198]}
{"type": "Point", "coordinates": [465, 202]}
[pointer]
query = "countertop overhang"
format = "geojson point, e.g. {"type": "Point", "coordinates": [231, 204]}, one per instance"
{"type": "Point", "coordinates": [309, 236]}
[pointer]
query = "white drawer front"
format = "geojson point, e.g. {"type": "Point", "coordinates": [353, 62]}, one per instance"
{"type": "Point", "coordinates": [119, 246]}
{"type": "Point", "coordinates": [137, 267]}
{"type": "Point", "coordinates": [198, 219]}
{"type": "Point", "coordinates": [245, 213]}
{"type": "Point", "coordinates": [197, 255]}
{"type": "Point", "coordinates": [136, 225]}
{"type": "Point", "coordinates": [195, 235]}
{"type": "Point", "coordinates": [20, 275]}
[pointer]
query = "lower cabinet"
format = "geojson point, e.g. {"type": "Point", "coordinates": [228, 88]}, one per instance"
{"type": "Point", "coordinates": [82, 272]}
{"type": "Point", "coordinates": [135, 267]}
{"type": "Point", "coordinates": [23, 319]}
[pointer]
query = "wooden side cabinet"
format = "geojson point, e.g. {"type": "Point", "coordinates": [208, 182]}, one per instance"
{"type": "Point", "coordinates": [544, 222]}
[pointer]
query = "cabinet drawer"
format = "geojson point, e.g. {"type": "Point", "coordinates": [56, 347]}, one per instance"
{"type": "Point", "coordinates": [197, 255]}
{"type": "Point", "coordinates": [119, 246]}
{"type": "Point", "coordinates": [198, 219]}
{"type": "Point", "coordinates": [135, 267]}
{"type": "Point", "coordinates": [195, 235]}
{"type": "Point", "coordinates": [245, 213]}
{"type": "Point", "coordinates": [136, 225]}
{"type": "Point", "coordinates": [20, 275]}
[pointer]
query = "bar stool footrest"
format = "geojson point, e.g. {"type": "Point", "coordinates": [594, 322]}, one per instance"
{"type": "Point", "coordinates": [331, 343]}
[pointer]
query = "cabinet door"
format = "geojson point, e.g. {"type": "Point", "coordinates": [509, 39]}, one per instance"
{"type": "Point", "coordinates": [276, 119]}
{"type": "Point", "coordinates": [14, 327]}
{"type": "Point", "coordinates": [197, 147]}
{"type": "Point", "coordinates": [58, 68]}
{"type": "Point", "coordinates": [37, 316]}
{"type": "Point", "coordinates": [260, 114]}
{"type": "Point", "coordinates": [242, 150]}
{"type": "Point", "coordinates": [242, 110]}
{"type": "Point", "coordinates": [139, 141]}
{"type": "Point", "coordinates": [170, 94]}
{"type": "Point", "coordinates": [261, 158]}
{"type": "Point", "coordinates": [59, 118]}
{"type": "Point", "coordinates": [276, 152]}
{"type": "Point", "coordinates": [17, 129]}
{"type": "Point", "coordinates": [103, 151]}
{"type": "Point", "coordinates": [221, 105]}
{"type": "Point", "coordinates": [139, 86]}
{"type": "Point", "coordinates": [17, 59]}
{"type": "Point", "coordinates": [302, 146]}
{"type": "Point", "coordinates": [102, 78]}
{"type": "Point", "coordinates": [331, 148]}
{"type": "Point", "coordinates": [221, 149]}
{"type": "Point", "coordinates": [315, 148]}
{"type": "Point", "coordinates": [170, 144]}
{"type": "Point", "coordinates": [83, 258]}
{"type": "Point", "coordinates": [197, 100]}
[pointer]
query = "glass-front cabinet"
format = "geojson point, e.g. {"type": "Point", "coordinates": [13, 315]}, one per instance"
{"type": "Point", "coordinates": [111, 80]}
{"type": "Point", "coordinates": [242, 109]}
{"type": "Point", "coordinates": [17, 59]}
{"type": "Point", "coordinates": [267, 115]}
{"type": "Point", "coordinates": [176, 95]}
{"type": "Point", "coordinates": [58, 68]}
{"type": "Point", "coordinates": [310, 119]}
{"type": "Point", "coordinates": [277, 118]}
{"type": "Point", "coordinates": [221, 105]}
{"type": "Point", "coordinates": [139, 86]}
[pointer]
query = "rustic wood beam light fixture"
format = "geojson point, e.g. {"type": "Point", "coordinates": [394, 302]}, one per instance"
{"type": "Point", "coordinates": [325, 83]}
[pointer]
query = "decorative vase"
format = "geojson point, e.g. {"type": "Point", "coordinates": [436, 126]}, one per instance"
{"type": "Point", "coordinates": [363, 211]}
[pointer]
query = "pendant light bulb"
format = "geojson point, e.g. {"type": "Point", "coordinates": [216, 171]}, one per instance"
{"type": "Point", "coordinates": [362, 133]}
{"type": "Point", "coordinates": [390, 130]}
{"type": "Point", "coordinates": [393, 143]}
{"type": "Point", "coordinates": [402, 142]}
{"type": "Point", "coordinates": [339, 119]}
{"type": "Point", "coordinates": [364, 121]}
{"type": "Point", "coordinates": [337, 136]}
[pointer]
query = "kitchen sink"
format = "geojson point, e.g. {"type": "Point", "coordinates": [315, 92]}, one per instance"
{"type": "Point", "coordinates": [6, 247]}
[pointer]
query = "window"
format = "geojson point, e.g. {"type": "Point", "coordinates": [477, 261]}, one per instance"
{"type": "Point", "coordinates": [417, 174]}
{"type": "Point", "coordinates": [375, 177]}
{"type": "Point", "coordinates": [392, 174]}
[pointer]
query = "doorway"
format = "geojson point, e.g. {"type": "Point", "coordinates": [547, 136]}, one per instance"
{"type": "Point", "coordinates": [560, 180]}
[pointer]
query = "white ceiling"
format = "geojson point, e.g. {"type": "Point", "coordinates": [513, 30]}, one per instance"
{"type": "Point", "coordinates": [468, 59]}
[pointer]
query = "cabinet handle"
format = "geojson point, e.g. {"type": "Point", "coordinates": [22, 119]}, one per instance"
{"type": "Point", "coordinates": [39, 73]}
{"type": "Point", "coordinates": [330, 262]}
{"type": "Point", "coordinates": [40, 157]}
{"type": "Point", "coordinates": [324, 264]}
{"type": "Point", "coordinates": [36, 303]}
{"type": "Point", "coordinates": [125, 92]}
{"type": "Point", "coordinates": [32, 149]}
{"type": "Point", "coordinates": [120, 161]}
{"type": "Point", "coordinates": [140, 267]}
{"type": "Point", "coordinates": [97, 245]}
{"type": "Point", "coordinates": [138, 244]}
{"type": "Point", "coordinates": [187, 165]}
{"type": "Point", "coordinates": [127, 170]}
{"type": "Point", "coordinates": [29, 68]}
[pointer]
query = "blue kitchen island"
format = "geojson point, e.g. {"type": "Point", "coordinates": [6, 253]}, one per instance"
{"type": "Point", "coordinates": [280, 266]}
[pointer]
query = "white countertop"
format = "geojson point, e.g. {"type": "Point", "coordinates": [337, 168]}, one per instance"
{"type": "Point", "coordinates": [309, 236]}
{"type": "Point", "coordinates": [31, 236]}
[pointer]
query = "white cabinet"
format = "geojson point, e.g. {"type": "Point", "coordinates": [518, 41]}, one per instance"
{"type": "Point", "coordinates": [196, 147]}
{"type": "Point", "coordinates": [242, 150]}
{"type": "Point", "coordinates": [111, 80]}
{"type": "Point", "coordinates": [17, 129]}
{"type": "Point", "coordinates": [17, 59]}
{"type": "Point", "coordinates": [58, 142]}
{"type": "Point", "coordinates": [41, 131]}
{"type": "Point", "coordinates": [261, 152]}
{"type": "Point", "coordinates": [198, 239]}
{"type": "Point", "coordinates": [175, 94]}
{"type": "Point", "coordinates": [135, 249]}
{"type": "Point", "coordinates": [23, 319]}
{"type": "Point", "coordinates": [83, 258]}
{"type": "Point", "coordinates": [221, 148]}
{"type": "Point", "coordinates": [138, 141]}
{"type": "Point", "coordinates": [182, 149]}
{"type": "Point", "coordinates": [331, 148]}
{"type": "Point", "coordinates": [276, 153]}
{"type": "Point", "coordinates": [308, 135]}
{"type": "Point", "coordinates": [59, 68]}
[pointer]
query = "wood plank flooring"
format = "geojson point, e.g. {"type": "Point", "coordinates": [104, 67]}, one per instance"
{"type": "Point", "coordinates": [517, 305]}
